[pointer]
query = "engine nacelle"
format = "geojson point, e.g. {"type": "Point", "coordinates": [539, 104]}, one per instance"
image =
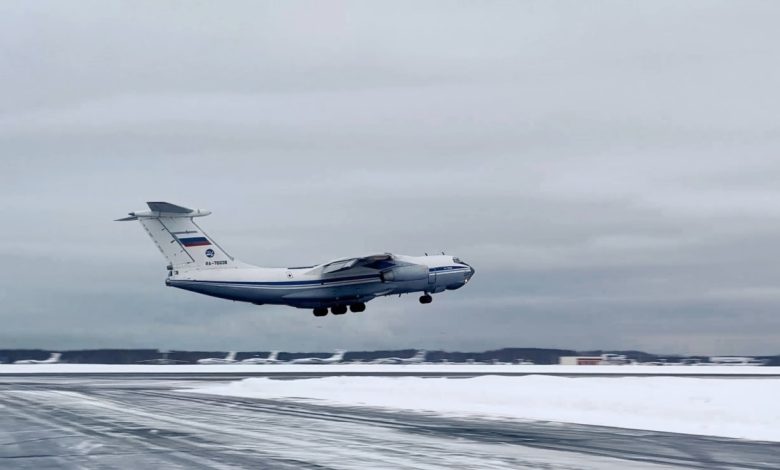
{"type": "Point", "coordinates": [405, 273]}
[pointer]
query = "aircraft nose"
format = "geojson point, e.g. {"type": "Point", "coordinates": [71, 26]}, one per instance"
{"type": "Point", "coordinates": [471, 273]}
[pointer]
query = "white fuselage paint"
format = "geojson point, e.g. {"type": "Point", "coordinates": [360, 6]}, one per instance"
{"type": "Point", "coordinates": [308, 287]}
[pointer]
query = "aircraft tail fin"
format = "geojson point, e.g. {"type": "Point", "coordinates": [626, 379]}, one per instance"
{"type": "Point", "coordinates": [183, 243]}
{"type": "Point", "coordinates": [273, 356]}
{"type": "Point", "coordinates": [231, 356]}
{"type": "Point", "coordinates": [55, 357]}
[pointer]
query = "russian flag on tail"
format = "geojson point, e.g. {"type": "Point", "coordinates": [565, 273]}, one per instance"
{"type": "Point", "coordinates": [194, 241]}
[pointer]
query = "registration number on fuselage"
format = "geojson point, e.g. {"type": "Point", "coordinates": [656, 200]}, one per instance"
{"type": "Point", "coordinates": [215, 263]}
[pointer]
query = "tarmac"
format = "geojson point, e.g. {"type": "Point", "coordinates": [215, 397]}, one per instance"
{"type": "Point", "coordinates": [142, 421]}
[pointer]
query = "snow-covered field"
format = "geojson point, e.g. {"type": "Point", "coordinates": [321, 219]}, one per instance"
{"type": "Point", "coordinates": [739, 408]}
{"type": "Point", "coordinates": [380, 368]}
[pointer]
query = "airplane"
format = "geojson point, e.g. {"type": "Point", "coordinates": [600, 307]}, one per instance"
{"type": "Point", "coordinates": [53, 359]}
{"type": "Point", "coordinates": [418, 358]}
{"type": "Point", "coordinates": [337, 357]}
{"type": "Point", "coordinates": [524, 362]}
{"type": "Point", "coordinates": [271, 359]}
{"type": "Point", "coordinates": [164, 360]}
{"type": "Point", "coordinates": [229, 359]}
{"type": "Point", "coordinates": [197, 263]}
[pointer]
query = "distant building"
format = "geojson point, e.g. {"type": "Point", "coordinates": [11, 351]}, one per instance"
{"type": "Point", "coordinates": [603, 360]}
{"type": "Point", "coordinates": [580, 360]}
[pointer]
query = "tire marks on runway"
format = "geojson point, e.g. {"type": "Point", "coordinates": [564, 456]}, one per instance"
{"type": "Point", "coordinates": [121, 440]}
{"type": "Point", "coordinates": [101, 425]}
{"type": "Point", "coordinates": [679, 450]}
{"type": "Point", "coordinates": [196, 434]}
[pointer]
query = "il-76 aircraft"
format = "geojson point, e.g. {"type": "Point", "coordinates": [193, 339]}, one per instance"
{"type": "Point", "coordinates": [229, 359]}
{"type": "Point", "coordinates": [338, 356]}
{"type": "Point", "coordinates": [197, 263]}
{"type": "Point", "coordinates": [273, 358]}
{"type": "Point", "coordinates": [53, 359]}
{"type": "Point", "coordinates": [418, 358]}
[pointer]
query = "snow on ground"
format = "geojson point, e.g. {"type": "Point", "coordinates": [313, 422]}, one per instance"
{"type": "Point", "coordinates": [380, 368]}
{"type": "Point", "coordinates": [739, 408]}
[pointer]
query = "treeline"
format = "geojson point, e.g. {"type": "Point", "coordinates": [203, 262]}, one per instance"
{"type": "Point", "coordinates": [136, 356]}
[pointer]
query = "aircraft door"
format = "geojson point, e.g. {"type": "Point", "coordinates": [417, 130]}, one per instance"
{"type": "Point", "coordinates": [431, 281]}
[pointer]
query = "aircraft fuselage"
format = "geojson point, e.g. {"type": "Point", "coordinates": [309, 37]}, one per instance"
{"type": "Point", "coordinates": [299, 287]}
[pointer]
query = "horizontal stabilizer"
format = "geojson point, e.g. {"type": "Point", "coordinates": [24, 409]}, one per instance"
{"type": "Point", "coordinates": [179, 238]}
{"type": "Point", "coordinates": [164, 209]}
{"type": "Point", "coordinates": [168, 208]}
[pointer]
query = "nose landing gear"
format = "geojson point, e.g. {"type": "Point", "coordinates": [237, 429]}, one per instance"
{"type": "Point", "coordinates": [426, 299]}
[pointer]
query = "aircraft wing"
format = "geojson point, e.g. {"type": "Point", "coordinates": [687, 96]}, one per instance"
{"type": "Point", "coordinates": [382, 261]}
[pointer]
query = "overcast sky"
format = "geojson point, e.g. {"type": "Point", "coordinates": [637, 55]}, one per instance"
{"type": "Point", "coordinates": [611, 169]}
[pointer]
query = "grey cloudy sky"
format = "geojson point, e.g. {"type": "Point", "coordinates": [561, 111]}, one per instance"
{"type": "Point", "coordinates": [611, 169]}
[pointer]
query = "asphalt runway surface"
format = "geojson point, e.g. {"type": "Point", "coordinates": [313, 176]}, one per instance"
{"type": "Point", "coordinates": [100, 422]}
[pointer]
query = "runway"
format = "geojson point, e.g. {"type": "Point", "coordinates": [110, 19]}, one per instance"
{"type": "Point", "coordinates": [143, 422]}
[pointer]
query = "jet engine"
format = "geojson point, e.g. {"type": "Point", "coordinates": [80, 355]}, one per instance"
{"type": "Point", "coordinates": [414, 272]}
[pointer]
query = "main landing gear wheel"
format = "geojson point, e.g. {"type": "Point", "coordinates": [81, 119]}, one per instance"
{"type": "Point", "coordinates": [338, 310]}
{"type": "Point", "coordinates": [426, 299]}
{"type": "Point", "coordinates": [320, 311]}
{"type": "Point", "coordinates": [357, 307]}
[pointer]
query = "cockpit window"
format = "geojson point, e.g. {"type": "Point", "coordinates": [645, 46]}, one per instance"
{"type": "Point", "coordinates": [457, 260]}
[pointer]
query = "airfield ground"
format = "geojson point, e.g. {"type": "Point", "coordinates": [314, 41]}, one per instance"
{"type": "Point", "coordinates": [191, 417]}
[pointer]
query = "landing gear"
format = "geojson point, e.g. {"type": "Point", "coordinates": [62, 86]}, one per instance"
{"type": "Point", "coordinates": [361, 307]}
{"type": "Point", "coordinates": [320, 311]}
{"type": "Point", "coordinates": [339, 309]}
{"type": "Point", "coordinates": [426, 299]}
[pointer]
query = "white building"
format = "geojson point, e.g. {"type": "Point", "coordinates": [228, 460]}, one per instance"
{"type": "Point", "coordinates": [603, 360]}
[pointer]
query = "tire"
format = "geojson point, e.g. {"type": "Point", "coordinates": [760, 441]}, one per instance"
{"type": "Point", "coordinates": [338, 310]}
{"type": "Point", "coordinates": [320, 311]}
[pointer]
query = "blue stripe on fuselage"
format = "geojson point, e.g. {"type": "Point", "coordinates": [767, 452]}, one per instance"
{"type": "Point", "coordinates": [284, 283]}
{"type": "Point", "coordinates": [447, 268]}
{"type": "Point", "coordinates": [313, 282]}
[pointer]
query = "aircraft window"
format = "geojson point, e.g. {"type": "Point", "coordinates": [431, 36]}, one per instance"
{"type": "Point", "coordinates": [457, 260]}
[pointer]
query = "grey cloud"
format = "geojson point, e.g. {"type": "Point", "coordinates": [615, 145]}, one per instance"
{"type": "Point", "coordinates": [610, 169]}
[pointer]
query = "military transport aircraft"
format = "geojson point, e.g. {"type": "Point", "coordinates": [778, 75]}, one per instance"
{"type": "Point", "coordinates": [418, 358]}
{"type": "Point", "coordinates": [54, 358]}
{"type": "Point", "coordinates": [271, 359]}
{"type": "Point", "coordinates": [229, 359]}
{"type": "Point", "coordinates": [338, 356]}
{"type": "Point", "coordinates": [197, 263]}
